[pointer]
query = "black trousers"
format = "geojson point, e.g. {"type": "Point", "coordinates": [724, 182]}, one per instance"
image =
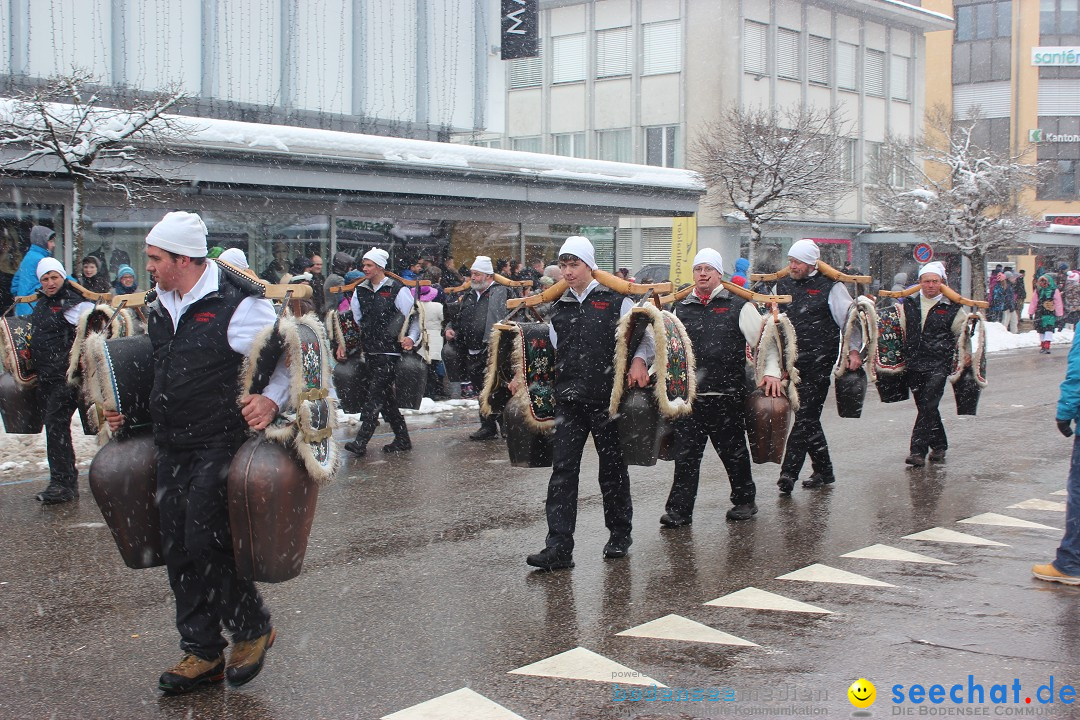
{"type": "Point", "coordinates": [60, 401]}
{"type": "Point", "coordinates": [382, 372]}
{"type": "Point", "coordinates": [722, 419]}
{"type": "Point", "coordinates": [573, 423]}
{"type": "Point", "coordinates": [197, 545]}
{"type": "Point", "coordinates": [929, 432]}
{"type": "Point", "coordinates": [807, 436]}
{"type": "Point", "coordinates": [476, 366]}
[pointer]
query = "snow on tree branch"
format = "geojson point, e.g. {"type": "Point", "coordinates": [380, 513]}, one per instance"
{"type": "Point", "coordinates": [949, 189]}
{"type": "Point", "coordinates": [765, 164]}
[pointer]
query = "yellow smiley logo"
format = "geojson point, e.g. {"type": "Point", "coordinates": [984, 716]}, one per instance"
{"type": "Point", "coordinates": [862, 693]}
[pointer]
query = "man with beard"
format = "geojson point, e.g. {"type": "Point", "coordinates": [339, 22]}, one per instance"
{"type": "Point", "coordinates": [481, 307]}
{"type": "Point", "coordinates": [818, 309]}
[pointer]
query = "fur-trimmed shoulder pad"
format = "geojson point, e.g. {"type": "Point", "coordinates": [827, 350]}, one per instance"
{"type": "Point", "coordinates": [674, 366]}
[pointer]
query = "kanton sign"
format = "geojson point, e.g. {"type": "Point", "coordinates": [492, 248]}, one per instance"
{"type": "Point", "coordinates": [1041, 136]}
{"type": "Point", "coordinates": [1055, 56]}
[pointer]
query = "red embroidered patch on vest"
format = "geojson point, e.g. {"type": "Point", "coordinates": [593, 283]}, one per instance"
{"type": "Point", "coordinates": [600, 304]}
{"type": "Point", "coordinates": [383, 293]}
{"type": "Point", "coordinates": [813, 291]}
{"type": "Point", "coordinates": [720, 309]}
{"type": "Point", "coordinates": [205, 317]}
{"type": "Point", "coordinates": [940, 311]}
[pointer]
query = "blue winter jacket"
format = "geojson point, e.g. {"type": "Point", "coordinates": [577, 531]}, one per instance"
{"type": "Point", "coordinates": [1069, 403]}
{"type": "Point", "coordinates": [25, 280]}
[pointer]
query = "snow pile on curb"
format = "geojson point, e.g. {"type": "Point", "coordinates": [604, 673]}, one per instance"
{"type": "Point", "coordinates": [26, 453]}
{"type": "Point", "coordinates": [998, 338]}
{"type": "Point", "coordinates": [427, 407]}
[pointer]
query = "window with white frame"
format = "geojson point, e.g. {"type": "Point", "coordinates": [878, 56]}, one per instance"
{"type": "Point", "coordinates": [817, 60]}
{"type": "Point", "coordinates": [568, 58]}
{"type": "Point", "coordinates": [787, 53]}
{"type": "Point", "coordinates": [656, 245]}
{"type": "Point", "coordinates": [527, 72]}
{"type": "Point", "coordinates": [491, 143]}
{"type": "Point", "coordinates": [898, 77]}
{"type": "Point", "coordinates": [847, 66]}
{"type": "Point", "coordinates": [873, 160]}
{"type": "Point", "coordinates": [613, 52]}
{"type": "Point", "coordinates": [662, 47]}
{"type": "Point", "coordinates": [614, 145]}
{"type": "Point", "coordinates": [661, 145]}
{"type": "Point", "coordinates": [755, 48]}
{"type": "Point", "coordinates": [569, 144]}
{"type": "Point", "coordinates": [874, 74]}
{"type": "Point", "coordinates": [527, 144]}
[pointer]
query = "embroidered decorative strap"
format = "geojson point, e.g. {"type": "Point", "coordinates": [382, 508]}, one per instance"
{"type": "Point", "coordinates": [537, 370]}
{"type": "Point", "coordinates": [15, 335]}
{"type": "Point", "coordinates": [890, 346]}
{"type": "Point", "coordinates": [676, 384]}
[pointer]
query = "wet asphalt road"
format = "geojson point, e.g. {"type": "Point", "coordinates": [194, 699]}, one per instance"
{"type": "Point", "coordinates": [415, 584]}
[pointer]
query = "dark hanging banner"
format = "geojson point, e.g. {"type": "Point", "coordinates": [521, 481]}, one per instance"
{"type": "Point", "coordinates": [520, 21]}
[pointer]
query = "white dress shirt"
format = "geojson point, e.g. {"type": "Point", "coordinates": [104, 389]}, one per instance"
{"type": "Point", "coordinates": [646, 350]}
{"type": "Point", "coordinates": [251, 317]}
{"type": "Point", "coordinates": [403, 302]}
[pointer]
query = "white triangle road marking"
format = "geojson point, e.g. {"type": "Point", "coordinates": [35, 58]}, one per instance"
{"type": "Point", "coordinates": [582, 664]}
{"type": "Point", "coordinates": [1004, 521]}
{"type": "Point", "coordinates": [888, 552]}
{"type": "Point", "coordinates": [676, 627]}
{"type": "Point", "coordinates": [463, 703]}
{"type": "Point", "coordinates": [943, 535]}
{"type": "Point", "coordinates": [825, 574]}
{"type": "Point", "coordinates": [1061, 492]}
{"type": "Point", "coordinates": [1039, 504]}
{"type": "Point", "coordinates": [754, 599]}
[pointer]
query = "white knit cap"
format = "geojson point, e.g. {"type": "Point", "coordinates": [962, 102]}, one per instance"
{"type": "Point", "coordinates": [235, 257]}
{"type": "Point", "coordinates": [180, 232]}
{"type": "Point", "coordinates": [579, 247]}
{"type": "Point", "coordinates": [50, 264]}
{"type": "Point", "coordinates": [805, 251]}
{"type": "Point", "coordinates": [377, 256]}
{"type": "Point", "coordinates": [933, 267]}
{"type": "Point", "coordinates": [482, 263]}
{"type": "Point", "coordinates": [708, 256]}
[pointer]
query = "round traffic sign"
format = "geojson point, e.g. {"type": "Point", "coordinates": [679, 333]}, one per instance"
{"type": "Point", "coordinates": [923, 253]}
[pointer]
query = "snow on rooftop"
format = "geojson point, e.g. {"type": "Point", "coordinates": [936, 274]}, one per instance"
{"type": "Point", "coordinates": [210, 133]}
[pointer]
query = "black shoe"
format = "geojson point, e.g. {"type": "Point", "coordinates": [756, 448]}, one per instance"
{"type": "Point", "coordinates": [786, 483]}
{"type": "Point", "coordinates": [356, 448]}
{"type": "Point", "coordinates": [674, 520]}
{"type": "Point", "coordinates": [398, 445]}
{"type": "Point", "coordinates": [484, 433]}
{"type": "Point", "coordinates": [915, 460]}
{"type": "Point", "coordinates": [617, 547]}
{"type": "Point", "coordinates": [818, 480]}
{"type": "Point", "coordinates": [937, 456]}
{"type": "Point", "coordinates": [551, 559]}
{"type": "Point", "coordinates": [742, 512]}
{"type": "Point", "coordinates": [55, 495]}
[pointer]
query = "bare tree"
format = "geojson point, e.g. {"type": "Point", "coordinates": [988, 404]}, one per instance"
{"type": "Point", "coordinates": [63, 125]}
{"type": "Point", "coordinates": [766, 164]}
{"type": "Point", "coordinates": [947, 188]}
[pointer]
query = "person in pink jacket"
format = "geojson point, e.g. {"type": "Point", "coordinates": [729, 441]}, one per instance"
{"type": "Point", "coordinates": [1045, 309]}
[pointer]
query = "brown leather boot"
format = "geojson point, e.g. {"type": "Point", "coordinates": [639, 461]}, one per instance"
{"type": "Point", "coordinates": [247, 658]}
{"type": "Point", "coordinates": [191, 672]}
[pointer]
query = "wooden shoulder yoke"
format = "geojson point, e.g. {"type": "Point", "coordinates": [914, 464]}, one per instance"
{"type": "Point", "coordinates": [403, 281]}
{"type": "Point", "coordinates": [822, 267]}
{"type": "Point", "coordinates": [734, 290]}
{"type": "Point", "coordinates": [947, 291]}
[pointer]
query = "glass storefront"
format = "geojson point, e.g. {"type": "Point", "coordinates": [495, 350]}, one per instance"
{"type": "Point", "coordinates": [15, 224]}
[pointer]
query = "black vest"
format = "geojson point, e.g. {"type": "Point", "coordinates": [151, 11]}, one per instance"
{"type": "Point", "coordinates": [473, 319]}
{"type": "Point", "coordinates": [51, 335]}
{"type": "Point", "coordinates": [816, 333]}
{"type": "Point", "coordinates": [380, 320]}
{"type": "Point", "coordinates": [929, 347]}
{"type": "Point", "coordinates": [585, 356]}
{"type": "Point", "coordinates": [196, 373]}
{"type": "Point", "coordinates": [718, 342]}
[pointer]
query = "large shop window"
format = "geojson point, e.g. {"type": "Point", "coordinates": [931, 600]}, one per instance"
{"type": "Point", "coordinates": [16, 221]}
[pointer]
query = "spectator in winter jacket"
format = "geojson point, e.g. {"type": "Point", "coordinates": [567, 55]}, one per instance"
{"type": "Point", "coordinates": [92, 278]}
{"type": "Point", "coordinates": [25, 281]}
{"type": "Point", "coordinates": [1045, 309]}
{"type": "Point", "coordinates": [125, 281]}
{"type": "Point", "coordinates": [741, 276]}
{"type": "Point", "coordinates": [1071, 297]}
{"type": "Point", "coordinates": [342, 263]}
{"type": "Point", "coordinates": [1065, 568]}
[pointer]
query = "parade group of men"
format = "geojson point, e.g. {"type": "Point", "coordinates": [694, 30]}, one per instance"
{"type": "Point", "coordinates": [202, 324]}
